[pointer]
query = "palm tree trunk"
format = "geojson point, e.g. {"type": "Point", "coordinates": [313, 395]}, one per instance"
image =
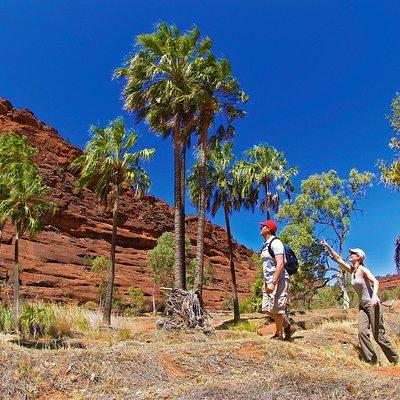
{"type": "Point", "coordinates": [111, 269]}
{"type": "Point", "coordinates": [397, 255]}
{"type": "Point", "coordinates": [267, 200]}
{"type": "Point", "coordinates": [199, 270]}
{"type": "Point", "coordinates": [16, 284]}
{"type": "Point", "coordinates": [179, 227]}
{"type": "Point", "coordinates": [183, 224]}
{"type": "Point", "coordinates": [236, 312]}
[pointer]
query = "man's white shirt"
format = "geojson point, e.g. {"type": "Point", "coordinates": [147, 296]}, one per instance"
{"type": "Point", "coordinates": [269, 263]}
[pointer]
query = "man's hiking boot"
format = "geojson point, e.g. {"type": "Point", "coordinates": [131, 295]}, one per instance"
{"type": "Point", "coordinates": [289, 330]}
{"type": "Point", "coordinates": [277, 336]}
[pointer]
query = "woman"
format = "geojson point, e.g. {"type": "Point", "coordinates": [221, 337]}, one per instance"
{"type": "Point", "coordinates": [370, 314]}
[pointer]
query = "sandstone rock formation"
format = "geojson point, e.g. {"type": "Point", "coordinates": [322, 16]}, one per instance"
{"type": "Point", "coordinates": [53, 264]}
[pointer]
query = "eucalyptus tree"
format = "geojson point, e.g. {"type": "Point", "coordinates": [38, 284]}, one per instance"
{"type": "Point", "coordinates": [325, 207]}
{"type": "Point", "coordinates": [223, 189]}
{"type": "Point", "coordinates": [215, 92]}
{"type": "Point", "coordinates": [25, 204]}
{"type": "Point", "coordinates": [390, 173]}
{"type": "Point", "coordinates": [159, 88]}
{"type": "Point", "coordinates": [107, 163]}
{"type": "Point", "coordinates": [269, 176]}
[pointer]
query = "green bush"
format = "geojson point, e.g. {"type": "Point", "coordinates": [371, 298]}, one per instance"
{"type": "Point", "coordinates": [6, 319]}
{"type": "Point", "coordinates": [249, 305]}
{"type": "Point", "coordinates": [35, 319]}
{"type": "Point", "coordinates": [136, 300]}
{"type": "Point", "coordinates": [388, 294]}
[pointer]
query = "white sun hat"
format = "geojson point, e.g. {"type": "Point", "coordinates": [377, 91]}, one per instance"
{"type": "Point", "coordinates": [359, 252]}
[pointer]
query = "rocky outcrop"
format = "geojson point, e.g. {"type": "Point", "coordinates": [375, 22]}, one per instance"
{"type": "Point", "coordinates": [53, 263]}
{"type": "Point", "coordinates": [388, 282]}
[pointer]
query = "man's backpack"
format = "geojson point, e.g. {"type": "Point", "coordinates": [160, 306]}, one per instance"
{"type": "Point", "coordinates": [291, 264]}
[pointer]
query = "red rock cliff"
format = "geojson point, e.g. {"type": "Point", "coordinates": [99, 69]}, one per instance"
{"type": "Point", "coordinates": [53, 265]}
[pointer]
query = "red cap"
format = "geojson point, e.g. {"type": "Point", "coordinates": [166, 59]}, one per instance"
{"type": "Point", "coordinates": [271, 224]}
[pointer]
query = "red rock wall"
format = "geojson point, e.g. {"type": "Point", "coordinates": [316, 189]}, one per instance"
{"type": "Point", "coordinates": [388, 282]}
{"type": "Point", "coordinates": [53, 265]}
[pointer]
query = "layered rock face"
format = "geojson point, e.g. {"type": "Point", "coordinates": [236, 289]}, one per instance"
{"type": "Point", "coordinates": [388, 282]}
{"type": "Point", "coordinates": [53, 264]}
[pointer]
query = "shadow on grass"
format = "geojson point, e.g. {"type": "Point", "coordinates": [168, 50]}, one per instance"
{"type": "Point", "coordinates": [53, 344]}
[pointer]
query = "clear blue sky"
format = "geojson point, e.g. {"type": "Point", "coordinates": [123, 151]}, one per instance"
{"type": "Point", "coordinates": [321, 76]}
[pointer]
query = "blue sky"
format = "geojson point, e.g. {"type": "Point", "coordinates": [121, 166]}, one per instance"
{"type": "Point", "coordinates": [320, 74]}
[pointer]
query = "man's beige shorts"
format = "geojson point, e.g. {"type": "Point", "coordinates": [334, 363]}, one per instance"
{"type": "Point", "coordinates": [276, 302]}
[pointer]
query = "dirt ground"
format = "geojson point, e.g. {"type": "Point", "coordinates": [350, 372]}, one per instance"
{"type": "Point", "coordinates": [322, 362]}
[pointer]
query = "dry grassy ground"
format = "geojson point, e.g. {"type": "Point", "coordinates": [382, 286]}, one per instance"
{"type": "Point", "coordinates": [137, 362]}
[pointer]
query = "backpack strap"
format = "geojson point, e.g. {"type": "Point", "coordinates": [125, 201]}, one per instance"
{"type": "Point", "coordinates": [271, 253]}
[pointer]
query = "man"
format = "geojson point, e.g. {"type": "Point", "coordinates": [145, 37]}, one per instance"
{"type": "Point", "coordinates": [275, 288]}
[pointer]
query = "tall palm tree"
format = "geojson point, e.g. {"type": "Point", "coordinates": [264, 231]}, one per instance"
{"type": "Point", "coordinates": [267, 170]}
{"type": "Point", "coordinates": [215, 92]}
{"type": "Point", "coordinates": [106, 164]}
{"type": "Point", "coordinates": [159, 88]}
{"type": "Point", "coordinates": [223, 190]}
{"type": "Point", "coordinates": [25, 205]}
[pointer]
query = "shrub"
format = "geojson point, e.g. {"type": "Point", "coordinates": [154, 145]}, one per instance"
{"type": "Point", "coordinates": [136, 300]}
{"type": "Point", "coordinates": [35, 319]}
{"type": "Point", "coordinates": [249, 305]}
{"type": "Point", "coordinates": [91, 305]}
{"type": "Point", "coordinates": [6, 319]}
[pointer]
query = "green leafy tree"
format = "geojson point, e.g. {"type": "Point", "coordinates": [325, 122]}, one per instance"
{"type": "Point", "coordinates": [25, 204]}
{"type": "Point", "coordinates": [390, 173]}
{"type": "Point", "coordinates": [161, 260]}
{"type": "Point", "coordinates": [159, 88]}
{"type": "Point", "coordinates": [324, 207]}
{"type": "Point", "coordinates": [268, 176]}
{"type": "Point", "coordinates": [223, 190]}
{"type": "Point", "coordinates": [106, 164]}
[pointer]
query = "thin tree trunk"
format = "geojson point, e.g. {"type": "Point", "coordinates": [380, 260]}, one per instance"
{"type": "Point", "coordinates": [183, 224]}
{"type": "Point", "coordinates": [16, 283]}
{"type": "Point", "coordinates": [179, 226]}
{"type": "Point", "coordinates": [342, 280]}
{"type": "Point", "coordinates": [236, 312]}
{"type": "Point", "coordinates": [345, 292]}
{"type": "Point", "coordinates": [111, 270]}
{"type": "Point", "coordinates": [154, 299]}
{"type": "Point", "coordinates": [199, 270]}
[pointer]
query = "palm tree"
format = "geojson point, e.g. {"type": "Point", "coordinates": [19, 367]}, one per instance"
{"type": "Point", "coordinates": [159, 81]}
{"type": "Point", "coordinates": [215, 91]}
{"type": "Point", "coordinates": [223, 189]}
{"type": "Point", "coordinates": [106, 164]}
{"type": "Point", "coordinates": [14, 150]}
{"type": "Point", "coordinates": [267, 170]}
{"type": "Point", "coordinates": [25, 206]}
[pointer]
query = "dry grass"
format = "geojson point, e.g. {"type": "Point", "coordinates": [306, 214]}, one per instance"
{"type": "Point", "coordinates": [128, 363]}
